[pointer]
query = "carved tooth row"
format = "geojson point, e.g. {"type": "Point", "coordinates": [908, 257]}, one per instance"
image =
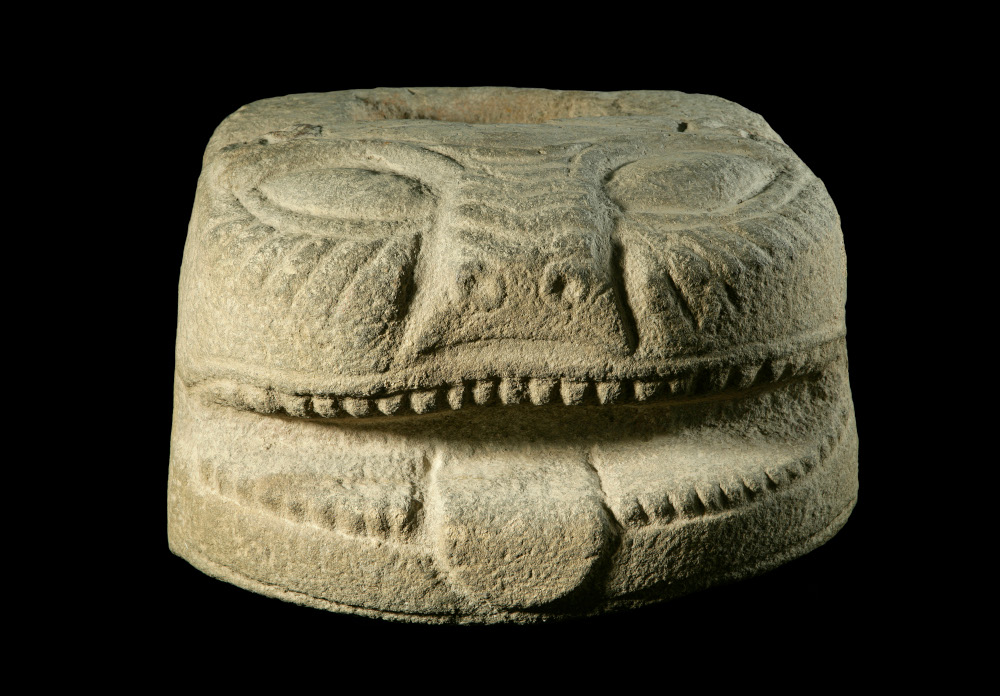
{"type": "Point", "coordinates": [390, 405]}
{"type": "Point", "coordinates": [540, 391]}
{"type": "Point", "coordinates": [609, 392]}
{"type": "Point", "coordinates": [252, 399]}
{"type": "Point", "coordinates": [572, 392]}
{"type": "Point", "coordinates": [646, 391]}
{"type": "Point", "coordinates": [682, 385]}
{"type": "Point", "coordinates": [718, 377]}
{"type": "Point", "coordinates": [729, 491]}
{"type": "Point", "coordinates": [514, 390]}
{"type": "Point", "coordinates": [456, 397]}
{"type": "Point", "coordinates": [423, 401]}
{"type": "Point", "coordinates": [507, 391]}
{"type": "Point", "coordinates": [483, 391]}
{"type": "Point", "coordinates": [747, 375]}
{"type": "Point", "coordinates": [325, 407]}
{"type": "Point", "coordinates": [359, 408]}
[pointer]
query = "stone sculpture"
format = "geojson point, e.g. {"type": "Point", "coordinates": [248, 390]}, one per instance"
{"type": "Point", "coordinates": [491, 354]}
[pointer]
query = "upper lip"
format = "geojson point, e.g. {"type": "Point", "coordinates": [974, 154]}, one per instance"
{"type": "Point", "coordinates": [596, 353]}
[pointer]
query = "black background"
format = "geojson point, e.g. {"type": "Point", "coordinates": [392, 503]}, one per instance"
{"type": "Point", "coordinates": [841, 600]}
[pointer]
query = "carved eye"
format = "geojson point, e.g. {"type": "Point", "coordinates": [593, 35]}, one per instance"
{"type": "Point", "coordinates": [349, 194]}
{"type": "Point", "coordinates": [689, 182]}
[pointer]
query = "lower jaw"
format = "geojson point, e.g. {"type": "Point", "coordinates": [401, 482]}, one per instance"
{"type": "Point", "coordinates": [545, 512]}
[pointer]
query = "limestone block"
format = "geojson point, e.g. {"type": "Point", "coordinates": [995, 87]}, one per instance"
{"type": "Point", "coordinates": [489, 354]}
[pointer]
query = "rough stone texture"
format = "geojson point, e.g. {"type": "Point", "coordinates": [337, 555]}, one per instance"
{"type": "Point", "coordinates": [493, 354]}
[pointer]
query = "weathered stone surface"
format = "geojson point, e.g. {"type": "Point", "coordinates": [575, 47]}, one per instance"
{"type": "Point", "coordinates": [493, 354]}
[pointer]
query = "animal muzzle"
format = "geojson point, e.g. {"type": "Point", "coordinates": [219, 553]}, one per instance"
{"type": "Point", "coordinates": [478, 284]}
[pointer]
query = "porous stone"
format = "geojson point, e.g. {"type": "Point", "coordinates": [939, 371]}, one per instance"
{"type": "Point", "coordinates": [492, 354]}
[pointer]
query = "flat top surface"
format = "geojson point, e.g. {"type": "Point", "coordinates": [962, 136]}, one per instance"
{"type": "Point", "coordinates": [482, 105]}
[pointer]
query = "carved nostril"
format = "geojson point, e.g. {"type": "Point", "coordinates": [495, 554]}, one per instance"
{"type": "Point", "coordinates": [482, 289]}
{"type": "Point", "coordinates": [561, 287]}
{"type": "Point", "coordinates": [488, 292]}
{"type": "Point", "coordinates": [465, 281]}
